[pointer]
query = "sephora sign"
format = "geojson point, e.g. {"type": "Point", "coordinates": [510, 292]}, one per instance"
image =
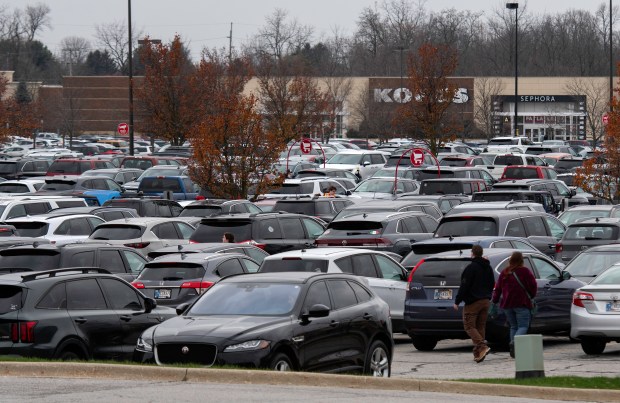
{"type": "Point", "coordinates": [404, 95]}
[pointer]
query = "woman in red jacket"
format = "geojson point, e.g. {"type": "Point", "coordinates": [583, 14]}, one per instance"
{"type": "Point", "coordinates": [515, 301]}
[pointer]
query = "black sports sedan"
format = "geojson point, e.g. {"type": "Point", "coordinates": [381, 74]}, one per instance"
{"type": "Point", "coordinates": [283, 321]}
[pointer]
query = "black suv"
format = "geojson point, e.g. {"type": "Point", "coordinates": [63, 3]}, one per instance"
{"type": "Point", "coordinates": [272, 232]}
{"type": "Point", "coordinates": [148, 207]}
{"type": "Point", "coordinates": [562, 195]}
{"type": "Point", "coordinates": [24, 168]}
{"type": "Point", "coordinates": [205, 208]}
{"type": "Point", "coordinates": [543, 197]}
{"type": "Point", "coordinates": [383, 231]}
{"type": "Point", "coordinates": [541, 229]}
{"type": "Point", "coordinates": [324, 208]}
{"type": "Point", "coordinates": [78, 313]}
{"type": "Point", "coordinates": [122, 261]}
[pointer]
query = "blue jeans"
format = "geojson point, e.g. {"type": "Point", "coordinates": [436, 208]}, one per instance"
{"type": "Point", "coordinates": [519, 320]}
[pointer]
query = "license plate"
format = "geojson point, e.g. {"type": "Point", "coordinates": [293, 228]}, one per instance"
{"type": "Point", "coordinates": [160, 294]}
{"type": "Point", "coordinates": [443, 294]}
{"type": "Point", "coordinates": [613, 306]}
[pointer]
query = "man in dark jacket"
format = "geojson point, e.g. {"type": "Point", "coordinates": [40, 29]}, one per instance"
{"type": "Point", "coordinates": [477, 282]}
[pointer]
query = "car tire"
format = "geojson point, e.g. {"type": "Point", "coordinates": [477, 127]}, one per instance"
{"type": "Point", "coordinates": [378, 360]}
{"type": "Point", "coordinates": [281, 362]}
{"type": "Point", "coordinates": [593, 346]}
{"type": "Point", "coordinates": [68, 355]}
{"type": "Point", "coordinates": [423, 343]}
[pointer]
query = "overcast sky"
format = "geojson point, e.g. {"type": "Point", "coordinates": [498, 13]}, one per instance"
{"type": "Point", "coordinates": [206, 23]}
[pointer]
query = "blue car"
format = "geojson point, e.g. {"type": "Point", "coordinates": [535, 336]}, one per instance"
{"type": "Point", "coordinates": [93, 188]}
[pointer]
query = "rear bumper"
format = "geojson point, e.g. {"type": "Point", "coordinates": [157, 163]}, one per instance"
{"type": "Point", "coordinates": [584, 324]}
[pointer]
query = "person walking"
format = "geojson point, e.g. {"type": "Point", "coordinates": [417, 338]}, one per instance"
{"type": "Point", "coordinates": [515, 286]}
{"type": "Point", "coordinates": [475, 291]}
{"type": "Point", "coordinates": [228, 237]}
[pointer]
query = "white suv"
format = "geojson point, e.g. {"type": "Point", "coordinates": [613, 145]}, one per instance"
{"type": "Point", "coordinates": [59, 228]}
{"type": "Point", "coordinates": [26, 205]}
{"type": "Point", "coordinates": [306, 187]}
{"type": "Point", "coordinates": [362, 163]}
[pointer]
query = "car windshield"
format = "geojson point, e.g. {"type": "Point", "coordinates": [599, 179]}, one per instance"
{"type": "Point", "coordinates": [253, 299]}
{"type": "Point", "coordinates": [29, 258]}
{"type": "Point", "coordinates": [591, 233]}
{"type": "Point", "coordinates": [7, 167]}
{"type": "Point", "coordinates": [380, 186]}
{"type": "Point", "coordinates": [294, 264]}
{"type": "Point", "coordinates": [466, 226]}
{"type": "Point", "coordinates": [306, 208]}
{"type": "Point", "coordinates": [294, 188]}
{"type": "Point", "coordinates": [571, 217]}
{"type": "Point", "coordinates": [350, 159]}
{"type": "Point", "coordinates": [171, 271]}
{"type": "Point", "coordinates": [32, 229]}
{"type": "Point", "coordinates": [520, 173]}
{"type": "Point", "coordinates": [440, 187]}
{"type": "Point", "coordinates": [58, 185]}
{"type": "Point", "coordinates": [117, 232]}
{"type": "Point", "coordinates": [608, 277]}
{"type": "Point", "coordinates": [350, 228]}
{"type": "Point", "coordinates": [212, 230]}
{"type": "Point", "coordinates": [508, 160]}
{"type": "Point", "coordinates": [590, 264]}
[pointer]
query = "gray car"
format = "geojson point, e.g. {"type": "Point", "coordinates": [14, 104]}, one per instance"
{"type": "Point", "coordinates": [593, 261]}
{"type": "Point", "coordinates": [585, 234]}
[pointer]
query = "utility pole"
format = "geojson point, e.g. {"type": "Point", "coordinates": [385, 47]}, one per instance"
{"type": "Point", "coordinates": [129, 59]}
{"type": "Point", "coordinates": [230, 44]}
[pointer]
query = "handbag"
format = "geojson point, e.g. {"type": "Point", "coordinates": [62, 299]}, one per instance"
{"type": "Point", "coordinates": [534, 308]}
{"type": "Point", "coordinates": [493, 310]}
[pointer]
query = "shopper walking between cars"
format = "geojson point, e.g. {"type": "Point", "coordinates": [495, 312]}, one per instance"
{"type": "Point", "coordinates": [228, 237]}
{"type": "Point", "coordinates": [515, 286]}
{"type": "Point", "coordinates": [476, 288]}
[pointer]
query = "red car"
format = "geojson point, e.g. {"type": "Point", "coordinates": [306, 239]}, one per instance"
{"type": "Point", "coordinates": [528, 172]}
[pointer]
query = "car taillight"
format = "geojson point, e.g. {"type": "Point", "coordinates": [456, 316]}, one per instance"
{"type": "Point", "coordinates": [192, 241]}
{"type": "Point", "coordinates": [383, 241]}
{"type": "Point", "coordinates": [23, 331]}
{"type": "Point", "coordinates": [413, 270]}
{"type": "Point", "coordinates": [559, 248]}
{"type": "Point", "coordinates": [138, 285]}
{"type": "Point", "coordinates": [579, 297]}
{"type": "Point", "coordinates": [252, 242]}
{"type": "Point", "coordinates": [200, 286]}
{"type": "Point", "coordinates": [138, 245]}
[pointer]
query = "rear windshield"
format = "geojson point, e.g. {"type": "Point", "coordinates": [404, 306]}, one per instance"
{"type": "Point", "coordinates": [294, 264]}
{"type": "Point", "coordinates": [137, 163]}
{"type": "Point", "coordinates": [29, 258]}
{"type": "Point", "coordinates": [58, 185]}
{"type": "Point", "coordinates": [502, 142]}
{"type": "Point", "coordinates": [200, 211]}
{"type": "Point", "coordinates": [419, 252]}
{"type": "Point", "coordinates": [32, 229]}
{"type": "Point", "coordinates": [453, 162]}
{"type": "Point", "coordinates": [434, 174]}
{"type": "Point", "coordinates": [521, 173]}
{"type": "Point", "coordinates": [467, 226]}
{"type": "Point", "coordinates": [591, 233]}
{"type": "Point", "coordinates": [10, 300]}
{"type": "Point", "coordinates": [171, 271]}
{"type": "Point", "coordinates": [64, 167]}
{"type": "Point", "coordinates": [494, 197]}
{"type": "Point", "coordinates": [431, 188]}
{"type": "Point", "coordinates": [13, 188]}
{"type": "Point", "coordinates": [117, 232]}
{"type": "Point", "coordinates": [308, 174]}
{"type": "Point", "coordinates": [8, 167]}
{"type": "Point", "coordinates": [444, 273]}
{"type": "Point", "coordinates": [161, 184]}
{"type": "Point", "coordinates": [295, 207]}
{"type": "Point", "coordinates": [354, 228]}
{"type": "Point", "coordinates": [508, 160]}
{"type": "Point", "coordinates": [294, 188]}
{"type": "Point", "coordinates": [213, 230]}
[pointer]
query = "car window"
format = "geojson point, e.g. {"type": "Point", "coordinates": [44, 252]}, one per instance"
{"type": "Point", "coordinates": [363, 265]}
{"type": "Point", "coordinates": [535, 226]}
{"type": "Point", "coordinates": [255, 254]}
{"type": "Point", "coordinates": [317, 294]}
{"type": "Point", "coordinates": [250, 266]}
{"type": "Point", "coordinates": [111, 185]}
{"type": "Point", "coordinates": [522, 245]}
{"type": "Point", "coordinates": [411, 225]}
{"type": "Point", "coordinates": [502, 244]}
{"type": "Point", "coordinates": [361, 293]}
{"type": "Point", "coordinates": [313, 228]}
{"type": "Point", "coordinates": [515, 228]}
{"type": "Point", "coordinates": [84, 294]}
{"type": "Point", "coordinates": [229, 268]}
{"type": "Point", "coordinates": [185, 230]}
{"type": "Point", "coordinates": [429, 223]}
{"type": "Point", "coordinates": [82, 259]}
{"type": "Point", "coordinates": [79, 226]}
{"type": "Point", "coordinates": [121, 295]}
{"type": "Point", "coordinates": [136, 262]}
{"type": "Point", "coordinates": [545, 269]}
{"type": "Point", "coordinates": [252, 208]}
{"type": "Point", "coordinates": [292, 228]}
{"type": "Point", "coordinates": [163, 210]}
{"type": "Point", "coordinates": [56, 298]}
{"type": "Point", "coordinates": [389, 270]}
{"type": "Point", "coordinates": [345, 264]}
{"type": "Point", "coordinates": [111, 215]}
{"type": "Point", "coordinates": [376, 159]}
{"type": "Point", "coordinates": [165, 231]}
{"type": "Point", "coordinates": [111, 261]}
{"type": "Point", "coordinates": [17, 211]}
{"type": "Point", "coordinates": [269, 229]}
{"type": "Point", "coordinates": [342, 294]}
{"type": "Point", "coordinates": [37, 208]}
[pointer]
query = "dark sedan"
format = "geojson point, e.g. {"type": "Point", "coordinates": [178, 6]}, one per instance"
{"type": "Point", "coordinates": [282, 321]}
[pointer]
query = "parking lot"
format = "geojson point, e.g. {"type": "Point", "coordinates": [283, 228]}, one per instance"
{"type": "Point", "coordinates": [452, 359]}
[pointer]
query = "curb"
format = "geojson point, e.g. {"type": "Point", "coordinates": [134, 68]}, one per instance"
{"type": "Point", "coordinates": [173, 374]}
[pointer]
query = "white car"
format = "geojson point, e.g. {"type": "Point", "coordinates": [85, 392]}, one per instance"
{"type": "Point", "coordinates": [20, 187]}
{"type": "Point", "coordinates": [16, 151]}
{"type": "Point", "coordinates": [306, 187]}
{"type": "Point", "coordinates": [362, 163]}
{"type": "Point", "coordinates": [384, 275]}
{"type": "Point", "coordinates": [58, 228]}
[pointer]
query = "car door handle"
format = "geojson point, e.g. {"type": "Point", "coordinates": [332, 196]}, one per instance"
{"type": "Point", "coordinates": [547, 286]}
{"type": "Point", "coordinates": [126, 318]}
{"type": "Point", "coordinates": [80, 320]}
{"type": "Point", "coordinates": [551, 245]}
{"type": "Point", "coordinates": [367, 316]}
{"type": "Point", "coordinates": [334, 323]}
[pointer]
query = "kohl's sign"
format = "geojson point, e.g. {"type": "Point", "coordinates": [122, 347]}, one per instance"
{"type": "Point", "coordinates": [404, 95]}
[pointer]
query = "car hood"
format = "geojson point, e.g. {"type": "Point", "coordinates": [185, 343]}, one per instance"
{"type": "Point", "coordinates": [216, 327]}
{"type": "Point", "coordinates": [342, 166]}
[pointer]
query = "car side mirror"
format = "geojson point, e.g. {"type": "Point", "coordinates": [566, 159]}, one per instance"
{"type": "Point", "coordinates": [348, 193]}
{"type": "Point", "coordinates": [573, 192]}
{"type": "Point", "coordinates": [149, 305]}
{"type": "Point", "coordinates": [315, 311]}
{"type": "Point", "coordinates": [182, 308]}
{"type": "Point", "coordinates": [566, 276]}
{"type": "Point", "coordinates": [366, 163]}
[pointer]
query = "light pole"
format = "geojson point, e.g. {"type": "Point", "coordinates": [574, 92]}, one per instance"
{"type": "Point", "coordinates": [515, 6]}
{"type": "Point", "coordinates": [130, 65]}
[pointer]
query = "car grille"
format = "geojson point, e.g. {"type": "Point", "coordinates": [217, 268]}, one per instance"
{"type": "Point", "coordinates": [185, 353]}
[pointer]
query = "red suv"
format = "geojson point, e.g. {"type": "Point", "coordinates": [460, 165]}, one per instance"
{"type": "Point", "coordinates": [528, 172]}
{"type": "Point", "coordinates": [69, 166]}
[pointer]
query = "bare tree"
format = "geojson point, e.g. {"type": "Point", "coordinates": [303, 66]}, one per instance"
{"type": "Point", "coordinates": [35, 18]}
{"type": "Point", "coordinates": [597, 103]}
{"type": "Point", "coordinates": [281, 36]}
{"type": "Point", "coordinates": [377, 124]}
{"type": "Point", "coordinates": [485, 89]}
{"type": "Point", "coordinates": [74, 51]}
{"type": "Point", "coordinates": [113, 38]}
{"type": "Point", "coordinates": [338, 90]}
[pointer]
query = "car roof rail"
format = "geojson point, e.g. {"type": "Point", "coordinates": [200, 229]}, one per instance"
{"type": "Point", "coordinates": [52, 273]}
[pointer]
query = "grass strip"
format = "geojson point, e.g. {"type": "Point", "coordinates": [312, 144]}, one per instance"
{"type": "Point", "coordinates": [599, 382]}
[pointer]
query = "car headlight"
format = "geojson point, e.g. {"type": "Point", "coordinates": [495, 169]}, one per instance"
{"type": "Point", "coordinates": [144, 346]}
{"type": "Point", "coordinates": [248, 345]}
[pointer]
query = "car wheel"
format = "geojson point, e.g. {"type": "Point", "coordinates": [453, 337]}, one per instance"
{"type": "Point", "coordinates": [281, 362]}
{"type": "Point", "coordinates": [69, 355]}
{"type": "Point", "coordinates": [593, 346]}
{"type": "Point", "coordinates": [378, 360]}
{"type": "Point", "coordinates": [423, 343]}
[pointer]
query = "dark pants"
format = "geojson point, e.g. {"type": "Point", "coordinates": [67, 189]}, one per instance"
{"type": "Point", "coordinates": [475, 321]}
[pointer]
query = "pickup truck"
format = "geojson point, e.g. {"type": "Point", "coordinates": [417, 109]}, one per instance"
{"type": "Point", "coordinates": [501, 161]}
{"type": "Point", "coordinates": [508, 144]}
{"type": "Point", "coordinates": [179, 187]}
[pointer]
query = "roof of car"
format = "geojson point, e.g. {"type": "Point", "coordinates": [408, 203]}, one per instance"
{"type": "Point", "coordinates": [590, 207]}
{"type": "Point", "coordinates": [316, 253]}
{"type": "Point", "coordinates": [21, 277]}
{"type": "Point", "coordinates": [281, 277]}
{"type": "Point", "coordinates": [495, 213]}
{"type": "Point", "coordinates": [488, 253]}
{"type": "Point", "coordinates": [247, 216]}
{"type": "Point", "coordinates": [197, 258]}
{"type": "Point", "coordinates": [603, 248]}
{"type": "Point", "coordinates": [380, 215]}
{"type": "Point", "coordinates": [469, 239]}
{"type": "Point", "coordinates": [597, 221]}
{"type": "Point", "coordinates": [142, 221]}
{"type": "Point", "coordinates": [49, 216]}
